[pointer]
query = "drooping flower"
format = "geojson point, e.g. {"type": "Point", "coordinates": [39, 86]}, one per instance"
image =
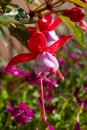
{"type": "Point", "coordinates": [47, 25]}
{"type": "Point", "coordinates": [22, 113]}
{"type": "Point", "coordinates": [38, 46]}
{"type": "Point", "coordinates": [45, 59]}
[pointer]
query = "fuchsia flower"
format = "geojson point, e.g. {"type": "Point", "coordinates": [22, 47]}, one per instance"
{"type": "Point", "coordinates": [38, 47]}
{"type": "Point", "coordinates": [22, 113]}
{"type": "Point", "coordinates": [45, 60]}
{"type": "Point", "coordinates": [47, 25]}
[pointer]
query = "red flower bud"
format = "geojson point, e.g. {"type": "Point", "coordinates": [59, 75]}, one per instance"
{"type": "Point", "coordinates": [76, 14]}
{"type": "Point", "coordinates": [85, 1]}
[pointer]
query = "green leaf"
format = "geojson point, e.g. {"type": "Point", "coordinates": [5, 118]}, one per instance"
{"type": "Point", "coordinates": [3, 36]}
{"type": "Point", "coordinates": [77, 30]}
{"type": "Point", "coordinates": [4, 94]}
{"type": "Point", "coordinates": [15, 16]}
{"type": "Point", "coordinates": [41, 125]}
{"type": "Point", "coordinates": [22, 16]}
{"type": "Point", "coordinates": [20, 32]}
{"type": "Point", "coordinates": [80, 3]}
{"type": "Point", "coordinates": [9, 16]}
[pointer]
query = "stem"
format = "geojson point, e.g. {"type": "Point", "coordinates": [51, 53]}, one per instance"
{"type": "Point", "coordinates": [57, 2]}
{"type": "Point", "coordinates": [28, 5]}
{"type": "Point", "coordinates": [40, 6]}
{"type": "Point", "coordinates": [42, 97]}
{"type": "Point", "coordinates": [3, 8]}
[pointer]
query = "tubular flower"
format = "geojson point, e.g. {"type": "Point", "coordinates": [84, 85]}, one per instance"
{"type": "Point", "coordinates": [47, 25]}
{"type": "Point", "coordinates": [38, 47]}
{"type": "Point", "coordinates": [45, 62]}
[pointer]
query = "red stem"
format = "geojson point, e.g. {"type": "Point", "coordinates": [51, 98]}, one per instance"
{"type": "Point", "coordinates": [42, 97]}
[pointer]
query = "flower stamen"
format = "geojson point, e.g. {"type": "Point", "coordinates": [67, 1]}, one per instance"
{"type": "Point", "coordinates": [44, 118]}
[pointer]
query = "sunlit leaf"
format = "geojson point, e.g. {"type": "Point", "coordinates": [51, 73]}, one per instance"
{"type": "Point", "coordinates": [9, 16]}
{"type": "Point", "coordinates": [77, 30]}
{"type": "Point", "coordinates": [80, 3]}
{"type": "Point", "coordinates": [22, 16]}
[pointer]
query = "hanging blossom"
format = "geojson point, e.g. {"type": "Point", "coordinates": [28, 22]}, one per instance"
{"type": "Point", "coordinates": [47, 24]}
{"type": "Point", "coordinates": [45, 60]}
{"type": "Point", "coordinates": [22, 113]}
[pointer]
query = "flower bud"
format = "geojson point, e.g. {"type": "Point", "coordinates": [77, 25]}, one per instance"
{"type": "Point", "coordinates": [83, 25]}
{"type": "Point", "coordinates": [85, 1]}
{"type": "Point", "coordinates": [76, 14]}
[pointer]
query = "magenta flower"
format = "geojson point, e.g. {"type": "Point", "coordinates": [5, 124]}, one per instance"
{"type": "Point", "coordinates": [15, 71]}
{"type": "Point", "coordinates": [85, 86]}
{"type": "Point", "coordinates": [77, 126]}
{"type": "Point", "coordinates": [80, 102]}
{"type": "Point", "coordinates": [22, 113]}
{"type": "Point", "coordinates": [50, 127]}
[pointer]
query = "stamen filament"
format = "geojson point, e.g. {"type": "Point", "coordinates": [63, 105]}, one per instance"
{"type": "Point", "coordinates": [44, 118]}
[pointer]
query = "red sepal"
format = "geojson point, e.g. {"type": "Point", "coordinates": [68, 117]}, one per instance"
{"type": "Point", "coordinates": [37, 42]}
{"type": "Point", "coordinates": [59, 43]}
{"type": "Point", "coordinates": [45, 22]}
{"type": "Point", "coordinates": [55, 24]}
{"type": "Point", "coordinates": [21, 58]}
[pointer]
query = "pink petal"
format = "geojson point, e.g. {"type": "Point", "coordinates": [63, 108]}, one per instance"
{"type": "Point", "coordinates": [21, 58]}
{"type": "Point", "coordinates": [44, 62]}
{"type": "Point", "coordinates": [37, 42]}
{"type": "Point", "coordinates": [59, 43]}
